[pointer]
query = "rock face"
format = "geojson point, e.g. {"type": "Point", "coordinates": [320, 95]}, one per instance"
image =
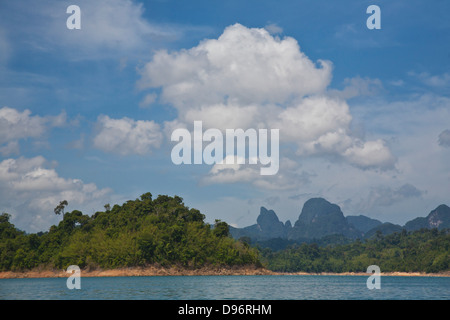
{"type": "Point", "coordinates": [269, 224]}
{"type": "Point", "coordinates": [320, 218]}
{"type": "Point", "coordinates": [438, 218]}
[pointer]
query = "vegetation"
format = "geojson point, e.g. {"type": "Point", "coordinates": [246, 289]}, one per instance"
{"type": "Point", "coordinates": [425, 250]}
{"type": "Point", "coordinates": [162, 231]}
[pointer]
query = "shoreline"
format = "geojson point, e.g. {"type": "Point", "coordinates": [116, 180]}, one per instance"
{"type": "Point", "coordinates": [207, 271]}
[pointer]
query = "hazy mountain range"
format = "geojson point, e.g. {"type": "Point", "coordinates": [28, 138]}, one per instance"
{"type": "Point", "coordinates": [320, 219]}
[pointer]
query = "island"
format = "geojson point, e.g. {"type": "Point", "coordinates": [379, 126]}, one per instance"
{"type": "Point", "coordinates": [162, 236]}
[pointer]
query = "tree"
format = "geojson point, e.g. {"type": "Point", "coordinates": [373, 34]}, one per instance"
{"type": "Point", "coordinates": [4, 217]}
{"type": "Point", "coordinates": [60, 207]}
{"type": "Point", "coordinates": [221, 229]}
{"type": "Point", "coordinates": [146, 197]}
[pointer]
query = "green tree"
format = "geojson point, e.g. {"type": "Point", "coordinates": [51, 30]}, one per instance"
{"type": "Point", "coordinates": [60, 207]}
{"type": "Point", "coordinates": [221, 229]}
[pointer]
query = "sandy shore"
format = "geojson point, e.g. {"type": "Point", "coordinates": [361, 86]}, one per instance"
{"type": "Point", "coordinates": [173, 271]}
{"type": "Point", "coordinates": [131, 272]}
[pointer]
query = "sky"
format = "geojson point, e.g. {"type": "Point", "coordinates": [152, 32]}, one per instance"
{"type": "Point", "coordinates": [86, 115]}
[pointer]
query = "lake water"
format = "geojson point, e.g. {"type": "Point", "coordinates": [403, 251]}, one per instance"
{"type": "Point", "coordinates": [228, 287]}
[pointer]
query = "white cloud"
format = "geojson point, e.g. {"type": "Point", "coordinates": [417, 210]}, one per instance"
{"type": "Point", "coordinates": [247, 78]}
{"type": "Point", "coordinates": [273, 28]}
{"type": "Point", "coordinates": [370, 154]}
{"type": "Point", "coordinates": [231, 173]}
{"type": "Point", "coordinates": [111, 24]}
{"type": "Point", "coordinates": [16, 125]}
{"type": "Point", "coordinates": [11, 147]}
{"type": "Point", "coordinates": [386, 196]}
{"type": "Point", "coordinates": [126, 136]}
{"type": "Point", "coordinates": [320, 125]}
{"type": "Point", "coordinates": [109, 28]}
{"type": "Point", "coordinates": [356, 87]}
{"type": "Point", "coordinates": [311, 119]}
{"type": "Point", "coordinates": [148, 100]}
{"type": "Point", "coordinates": [410, 128]}
{"type": "Point", "coordinates": [438, 81]}
{"type": "Point", "coordinates": [223, 116]}
{"type": "Point", "coordinates": [444, 138]}
{"type": "Point", "coordinates": [244, 65]}
{"type": "Point", "coordinates": [31, 188]}
{"type": "Point", "coordinates": [288, 177]}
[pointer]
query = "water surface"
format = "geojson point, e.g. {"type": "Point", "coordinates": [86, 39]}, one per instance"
{"type": "Point", "coordinates": [284, 287]}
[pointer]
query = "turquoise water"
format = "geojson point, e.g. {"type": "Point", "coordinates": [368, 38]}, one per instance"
{"type": "Point", "coordinates": [228, 287]}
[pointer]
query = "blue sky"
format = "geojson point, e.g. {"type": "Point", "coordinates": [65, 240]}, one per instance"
{"type": "Point", "coordinates": [86, 115]}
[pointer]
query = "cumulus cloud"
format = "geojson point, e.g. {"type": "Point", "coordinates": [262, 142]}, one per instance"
{"type": "Point", "coordinates": [320, 125]}
{"type": "Point", "coordinates": [248, 78]}
{"type": "Point", "coordinates": [223, 116]}
{"type": "Point", "coordinates": [16, 125]}
{"type": "Point", "coordinates": [231, 173]}
{"type": "Point", "coordinates": [288, 177]}
{"type": "Point", "coordinates": [370, 154]}
{"type": "Point", "coordinates": [126, 136]}
{"type": "Point", "coordinates": [245, 65]}
{"type": "Point", "coordinates": [444, 138]}
{"type": "Point", "coordinates": [313, 118]}
{"type": "Point", "coordinates": [30, 188]}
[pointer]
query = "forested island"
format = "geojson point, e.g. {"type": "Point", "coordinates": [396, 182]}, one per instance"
{"type": "Point", "coordinates": [165, 233]}
{"type": "Point", "coordinates": [142, 232]}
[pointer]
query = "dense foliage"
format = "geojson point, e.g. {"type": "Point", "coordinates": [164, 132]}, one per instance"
{"type": "Point", "coordinates": [425, 250]}
{"type": "Point", "coordinates": [162, 231]}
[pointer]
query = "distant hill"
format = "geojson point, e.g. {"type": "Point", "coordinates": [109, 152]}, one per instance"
{"type": "Point", "coordinates": [363, 223]}
{"type": "Point", "coordinates": [268, 226]}
{"type": "Point", "coordinates": [438, 218]}
{"type": "Point", "coordinates": [385, 229]}
{"type": "Point", "coordinates": [324, 223]}
{"type": "Point", "coordinates": [320, 218]}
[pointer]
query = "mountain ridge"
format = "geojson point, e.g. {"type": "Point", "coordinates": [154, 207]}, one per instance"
{"type": "Point", "coordinates": [319, 218]}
